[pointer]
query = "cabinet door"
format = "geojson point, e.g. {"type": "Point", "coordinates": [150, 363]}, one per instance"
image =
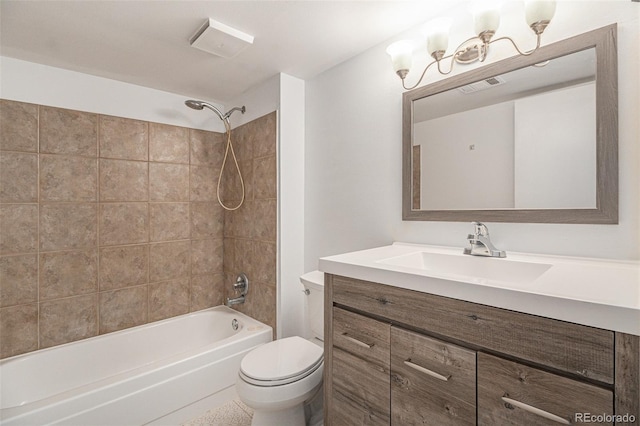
{"type": "Point", "coordinates": [510, 393]}
{"type": "Point", "coordinates": [360, 372]}
{"type": "Point", "coordinates": [432, 382]}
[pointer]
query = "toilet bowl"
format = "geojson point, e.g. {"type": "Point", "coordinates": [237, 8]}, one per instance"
{"type": "Point", "coordinates": [282, 380]}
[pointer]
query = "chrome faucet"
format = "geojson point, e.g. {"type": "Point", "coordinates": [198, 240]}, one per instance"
{"type": "Point", "coordinates": [481, 245]}
{"type": "Point", "coordinates": [242, 286]}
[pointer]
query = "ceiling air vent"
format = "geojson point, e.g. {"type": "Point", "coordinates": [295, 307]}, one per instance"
{"type": "Point", "coordinates": [482, 85]}
{"type": "Point", "coordinates": [220, 39]}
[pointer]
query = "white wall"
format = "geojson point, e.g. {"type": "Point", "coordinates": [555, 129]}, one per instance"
{"type": "Point", "coordinates": [353, 150]}
{"type": "Point", "coordinates": [44, 85]}
{"type": "Point", "coordinates": [291, 206]}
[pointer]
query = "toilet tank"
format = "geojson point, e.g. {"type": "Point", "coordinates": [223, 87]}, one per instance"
{"type": "Point", "coordinates": [314, 283]}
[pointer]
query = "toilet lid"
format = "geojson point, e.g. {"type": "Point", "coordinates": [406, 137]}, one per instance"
{"type": "Point", "coordinates": [281, 361]}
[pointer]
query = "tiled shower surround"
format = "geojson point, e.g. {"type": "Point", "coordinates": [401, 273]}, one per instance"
{"type": "Point", "coordinates": [107, 223]}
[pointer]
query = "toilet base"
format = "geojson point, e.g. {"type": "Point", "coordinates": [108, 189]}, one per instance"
{"type": "Point", "coordinates": [293, 416]}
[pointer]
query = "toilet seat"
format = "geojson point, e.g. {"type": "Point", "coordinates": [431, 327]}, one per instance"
{"type": "Point", "coordinates": [281, 362]}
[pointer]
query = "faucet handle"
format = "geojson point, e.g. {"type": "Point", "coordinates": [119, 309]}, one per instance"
{"type": "Point", "coordinates": [481, 229]}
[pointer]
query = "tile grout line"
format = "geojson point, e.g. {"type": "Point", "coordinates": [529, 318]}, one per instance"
{"type": "Point", "coordinates": [38, 228]}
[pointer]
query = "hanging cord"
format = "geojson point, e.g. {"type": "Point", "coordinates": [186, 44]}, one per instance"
{"type": "Point", "coordinates": [224, 162]}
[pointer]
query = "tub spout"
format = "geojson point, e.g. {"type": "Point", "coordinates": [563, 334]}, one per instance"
{"type": "Point", "coordinates": [235, 300]}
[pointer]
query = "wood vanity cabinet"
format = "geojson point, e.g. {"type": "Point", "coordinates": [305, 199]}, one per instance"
{"type": "Point", "coordinates": [401, 357]}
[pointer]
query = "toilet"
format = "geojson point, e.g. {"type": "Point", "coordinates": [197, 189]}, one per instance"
{"type": "Point", "coordinates": [282, 380]}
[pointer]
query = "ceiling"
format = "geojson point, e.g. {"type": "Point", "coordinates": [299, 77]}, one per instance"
{"type": "Point", "coordinates": [147, 42]}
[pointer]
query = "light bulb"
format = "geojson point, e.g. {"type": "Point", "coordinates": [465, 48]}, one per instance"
{"type": "Point", "coordinates": [486, 16]}
{"type": "Point", "coordinates": [436, 32]}
{"type": "Point", "coordinates": [539, 11]}
{"type": "Point", "coordinates": [401, 53]}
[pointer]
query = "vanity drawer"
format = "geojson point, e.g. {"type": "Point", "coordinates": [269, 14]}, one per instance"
{"type": "Point", "coordinates": [360, 370]}
{"type": "Point", "coordinates": [360, 391]}
{"type": "Point", "coordinates": [361, 336]}
{"type": "Point", "coordinates": [432, 382]}
{"type": "Point", "coordinates": [579, 350]}
{"type": "Point", "coordinates": [513, 394]}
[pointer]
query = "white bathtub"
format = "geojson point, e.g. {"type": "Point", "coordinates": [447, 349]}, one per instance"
{"type": "Point", "coordinates": [130, 377]}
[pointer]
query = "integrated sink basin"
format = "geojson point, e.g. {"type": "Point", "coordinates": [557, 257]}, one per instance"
{"type": "Point", "coordinates": [474, 267]}
{"type": "Point", "coordinates": [595, 292]}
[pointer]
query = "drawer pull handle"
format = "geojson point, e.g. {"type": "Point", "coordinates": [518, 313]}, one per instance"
{"type": "Point", "coordinates": [426, 371]}
{"type": "Point", "coordinates": [537, 411]}
{"type": "Point", "coordinates": [356, 341]}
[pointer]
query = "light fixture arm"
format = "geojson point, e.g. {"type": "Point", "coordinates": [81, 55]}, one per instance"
{"type": "Point", "coordinates": [482, 48]}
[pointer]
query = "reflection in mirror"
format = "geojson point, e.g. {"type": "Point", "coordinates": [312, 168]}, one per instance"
{"type": "Point", "coordinates": [523, 139]}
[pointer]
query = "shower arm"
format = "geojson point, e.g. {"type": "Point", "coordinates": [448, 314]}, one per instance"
{"type": "Point", "coordinates": [242, 109]}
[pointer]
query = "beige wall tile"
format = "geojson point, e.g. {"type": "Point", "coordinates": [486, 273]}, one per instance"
{"type": "Point", "coordinates": [124, 223]}
{"type": "Point", "coordinates": [265, 180]}
{"type": "Point", "coordinates": [231, 185]}
{"type": "Point", "coordinates": [18, 330]}
{"type": "Point", "coordinates": [240, 223]}
{"type": "Point", "coordinates": [204, 182]}
{"type": "Point", "coordinates": [18, 126]}
{"type": "Point", "coordinates": [229, 250]}
{"type": "Point", "coordinates": [207, 148]}
{"type": "Point", "coordinates": [206, 256]}
{"type": "Point", "coordinates": [18, 280]}
{"type": "Point", "coordinates": [244, 258]}
{"type": "Point", "coordinates": [68, 273]}
{"type": "Point", "coordinates": [207, 220]}
{"type": "Point", "coordinates": [64, 131]}
{"type": "Point", "coordinates": [124, 266]}
{"type": "Point", "coordinates": [168, 143]}
{"type": "Point", "coordinates": [207, 291]}
{"type": "Point", "coordinates": [168, 299]}
{"type": "Point", "coordinates": [169, 221]}
{"type": "Point", "coordinates": [169, 260]}
{"type": "Point", "coordinates": [18, 228]}
{"type": "Point", "coordinates": [123, 308]}
{"type": "Point", "coordinates": [171, 197]}
{"type": "Point", "coordinates": [68, 320]}
{"type": "Point", "coordinates": [66, 178]}
{"type": "Point", "coordinates": [263, 259]}
{"type": "Point", "coordinates": [122, 180]}
{"type": "Point", "coordinates": [168, 182]}
{"type": "Point", "coordinates": [265, 135]}
{"type": "Point", "coordinates": [265, 220]}
{"type": "Point", "coordinates": [18, 177]}
{"type": "Point", "coordinates": [67, 226]}
{"type": "Point", "coordinates": [263, 304]}
{"type": "Point", "coordinates": [242, 138]}
{"type": "Point", "coordinates": [124, 138]}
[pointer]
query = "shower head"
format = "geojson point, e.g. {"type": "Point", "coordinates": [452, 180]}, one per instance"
{"type": "Point", "coordinates": [199, 105]}
{"type": "Point", "coordinates": [194, 104]}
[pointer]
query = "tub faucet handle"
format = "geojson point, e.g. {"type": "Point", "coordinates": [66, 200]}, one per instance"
{"type": "Point", "coordinates": [242, 284]}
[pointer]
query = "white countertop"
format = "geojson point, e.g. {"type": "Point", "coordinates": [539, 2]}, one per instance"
{"type": "Point", "coordinates": [594, 292]}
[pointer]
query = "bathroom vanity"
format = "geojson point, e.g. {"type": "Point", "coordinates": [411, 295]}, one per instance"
{"type": "Point", "coordinates": [425, 335]}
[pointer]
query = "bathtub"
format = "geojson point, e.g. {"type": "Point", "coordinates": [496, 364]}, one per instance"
{"type": "Point", "coordinates": [130, 377]}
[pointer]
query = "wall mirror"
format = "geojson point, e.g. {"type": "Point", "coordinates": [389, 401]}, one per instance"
{"type": "Point", "coordinates": [526, 139]}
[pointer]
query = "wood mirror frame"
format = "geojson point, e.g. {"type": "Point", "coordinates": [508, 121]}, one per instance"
{"type": "Point", "coordinates": [606, 209]}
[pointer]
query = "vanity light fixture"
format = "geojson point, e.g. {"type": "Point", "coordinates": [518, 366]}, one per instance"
{"type": "Point", "coordinates": [486, 18]}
